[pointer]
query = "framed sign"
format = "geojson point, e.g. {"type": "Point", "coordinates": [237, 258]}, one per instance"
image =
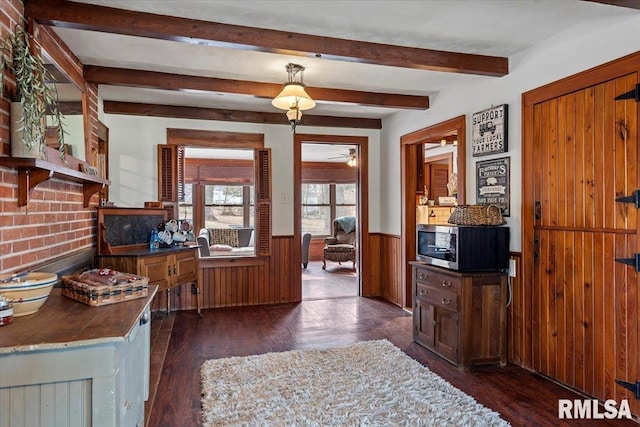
{"type": "Point", "coordinates": [492, 183]}
{"type": "Point", "coordinates": [489, 131]}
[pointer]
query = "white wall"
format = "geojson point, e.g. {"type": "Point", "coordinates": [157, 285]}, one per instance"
{"type": "Point", "coordinates": [574, 50]}
{"type": "Point", "coordinates": [133, 161]}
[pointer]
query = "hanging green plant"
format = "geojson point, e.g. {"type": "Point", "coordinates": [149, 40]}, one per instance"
{"type": "Point", "coordinates": [38, 97]}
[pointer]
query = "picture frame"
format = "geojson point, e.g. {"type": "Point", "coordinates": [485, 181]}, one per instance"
{"type": "Point", "coordinates": [492, 183]}
{"type": "Point", "coordinates": [489, 131]}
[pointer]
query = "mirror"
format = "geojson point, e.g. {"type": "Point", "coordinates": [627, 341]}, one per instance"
{"type": "Point", "coordinates": [66, 70]}
{"type": "Point", "coordinates": [70, 103]}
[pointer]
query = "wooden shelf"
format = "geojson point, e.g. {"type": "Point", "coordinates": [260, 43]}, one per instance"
{"type": "Point", "coordinates": [32, 172]}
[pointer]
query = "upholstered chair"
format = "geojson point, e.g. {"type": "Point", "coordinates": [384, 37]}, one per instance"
{"type": "Point", "coordinates": [306, 241]}
{"type": "Point", "coordinates": [341, 246]}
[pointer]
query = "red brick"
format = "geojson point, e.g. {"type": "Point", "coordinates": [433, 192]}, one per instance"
{"type": "Point", "coordinates": [10, 234]}
{"type": "Point", "coordinates": [11, 262]}
{"type": "Point", "coordinates": [20, 246]}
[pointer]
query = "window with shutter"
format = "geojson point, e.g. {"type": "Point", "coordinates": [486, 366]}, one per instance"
{"type": "Point", "coordinates": [167, 173]}
{"type": "Point", "coordinates": [263, 201]}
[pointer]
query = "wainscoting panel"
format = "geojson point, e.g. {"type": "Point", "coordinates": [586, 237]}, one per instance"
{"type": "Point", "coordinates": [242, 282]}
{"type": "Point", "coordinates": [391, 269]}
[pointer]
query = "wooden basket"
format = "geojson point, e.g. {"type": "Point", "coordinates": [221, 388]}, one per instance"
{"type": "Point", "coordinates": [98, 295]}
{"type": "Point", "coordinates": [476, 215]}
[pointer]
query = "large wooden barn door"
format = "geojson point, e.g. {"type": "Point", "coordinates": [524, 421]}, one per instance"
{"type": "Point", "coordinates": [585, 326]}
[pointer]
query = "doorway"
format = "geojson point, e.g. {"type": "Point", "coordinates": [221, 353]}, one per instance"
{"type": "Point", "coordinates": [329, 216]}
{"type": "Point", "coordinates": [328, 198]}
{"type": "Point", "coordinates": [413, 151]}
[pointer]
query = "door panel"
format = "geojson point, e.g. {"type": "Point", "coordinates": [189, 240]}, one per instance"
{"type": "Point", "coordinates": [585, 305]}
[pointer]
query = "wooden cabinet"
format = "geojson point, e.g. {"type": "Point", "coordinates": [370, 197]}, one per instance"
{"type": "Point", "coordinates": [460, 316]}
{"type": "Point", "coordinates": [76, 365]}
{"type": "Point", "coordinates": [165, 268]}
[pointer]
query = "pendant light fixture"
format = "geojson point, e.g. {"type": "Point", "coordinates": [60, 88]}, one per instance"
{"type": "Point", "coordinates": [293, 98]}
{"type": "Point", "coordinates": [353, 158]}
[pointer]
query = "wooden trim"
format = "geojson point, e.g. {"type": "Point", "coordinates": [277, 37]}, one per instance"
{"type": "Point", "coordinates": [408, 162]}
{"type": "Point", "coordinates": [197, 113]}
{"type": "Point", "coordinates": [364, 260]}
{"type": "Point", "coordinates": [68, 14]}
{"type": "Point", "coordinates": [60, 55]}
{"type": "Point", "coordinates": [212, 138]}
{"type": "Point", "coordinates": [219, 162]}
{"type": "Point", "coordinates": [181, 82]}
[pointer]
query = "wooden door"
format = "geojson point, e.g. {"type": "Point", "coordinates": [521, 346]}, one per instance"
{"type": "Point", "coordinates": [584, 150]}
{"type": "Point", "coordinates": [438, 175]}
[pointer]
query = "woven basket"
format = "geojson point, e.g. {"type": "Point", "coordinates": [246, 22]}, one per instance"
{"type": "Point", "coordinates": [99, 295]}
{"type": "Point", "coordinates": [476, 215]}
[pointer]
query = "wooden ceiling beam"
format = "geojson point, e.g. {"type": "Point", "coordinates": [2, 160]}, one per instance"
{"type": "Point", "coordinates": [154, 110]}
{"type": "Point", "coordinates": [631, 4]}
{"type": "Point", "coordinates": [67, 14]}
{"type": "Point", "coordinates": [167, 81]}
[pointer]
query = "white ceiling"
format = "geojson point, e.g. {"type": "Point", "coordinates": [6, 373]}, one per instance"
{"type": "Point", "coordinates": [487, 27]}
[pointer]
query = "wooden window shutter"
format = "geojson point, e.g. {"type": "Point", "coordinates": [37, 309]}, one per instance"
{"type": "Point", "coordinates": [167, 173]}
{"type": "Point", "coordinates": [180, 153]}
{"type": "Point", "coordinates": [263, 201]}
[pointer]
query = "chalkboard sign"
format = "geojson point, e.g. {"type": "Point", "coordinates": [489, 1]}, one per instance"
{"type": "Point", "coordinates": [124, 228]}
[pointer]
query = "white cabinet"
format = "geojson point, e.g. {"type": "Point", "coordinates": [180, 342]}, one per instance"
{"type": "Point", "coordinates": [74, 365]}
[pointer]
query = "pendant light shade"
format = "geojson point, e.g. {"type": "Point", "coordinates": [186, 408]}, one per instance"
{"type": "Point", "coordinates": [293, 94]}
{"type": "Point", "coordinates": [293, 98]}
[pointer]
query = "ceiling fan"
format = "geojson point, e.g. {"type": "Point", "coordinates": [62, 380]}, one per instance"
{"type": "Point", "coordinates": [351, 157]}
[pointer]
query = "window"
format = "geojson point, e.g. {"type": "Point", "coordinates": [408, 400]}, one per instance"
{"type": "Point", "coordinates": [322, 203]}
{"type": "Point", "coordinates": [185, 206]}
{"type": "Point", "coordinates": [228, 206]}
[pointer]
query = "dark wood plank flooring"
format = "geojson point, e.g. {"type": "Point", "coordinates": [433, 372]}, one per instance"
{"type": "Point", "coordinates": [523, 398]}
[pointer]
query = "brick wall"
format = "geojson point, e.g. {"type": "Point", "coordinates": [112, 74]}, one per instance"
{"type": "Point", "coordinates": [54, 224]}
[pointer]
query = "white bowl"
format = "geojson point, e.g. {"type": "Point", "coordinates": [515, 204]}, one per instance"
{"type": "Point", "coordinates": [28, 292]}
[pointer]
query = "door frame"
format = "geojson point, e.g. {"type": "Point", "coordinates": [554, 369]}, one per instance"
{"type": "Point", "coordinates": [366, 283]}
{"type": "Point", "coordinates": [409, 179]}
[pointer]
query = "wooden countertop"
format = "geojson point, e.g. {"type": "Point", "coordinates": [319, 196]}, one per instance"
{"type": "Point", "coordinates": [147, 252]}
{"type": "Point", "coordinates": [63, 322]}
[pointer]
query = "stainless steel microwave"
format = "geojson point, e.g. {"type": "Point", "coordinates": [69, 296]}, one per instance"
{"type": "Point", "coordinates": [463, 248]}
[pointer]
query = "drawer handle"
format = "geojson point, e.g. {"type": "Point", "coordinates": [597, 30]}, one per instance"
{"type": "Point", "coordinates": [446, 301]}
{"type": "Point", "coordinates": [446, 284]}
{"type": "Point", "coordinates": [144, 318]}
{"type": "Point", "coordinates": [422, 276]}
{"type": "Point", "coordinates": [422, 292]}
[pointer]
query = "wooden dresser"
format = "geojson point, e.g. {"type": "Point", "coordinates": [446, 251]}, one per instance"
{"type": "Point", "coordinates": [123, 245]}
{"type": "Point", "coordinates": [165, 268]}
{"type": "Point", "coordinates": [460, 315]}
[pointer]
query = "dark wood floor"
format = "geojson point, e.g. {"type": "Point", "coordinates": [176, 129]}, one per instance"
{"type": "Point", "coordinates": [523, 398]}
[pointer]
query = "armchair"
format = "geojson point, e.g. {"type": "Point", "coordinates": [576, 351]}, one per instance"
{"type": "Point", "coordinates": [341, 246]}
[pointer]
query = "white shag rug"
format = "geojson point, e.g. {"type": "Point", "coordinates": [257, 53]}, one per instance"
{"type": "Point", "coordinates": [371, 383]}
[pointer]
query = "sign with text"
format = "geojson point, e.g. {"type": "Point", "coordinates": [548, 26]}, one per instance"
{"type": "Point", "coordinates": [489, 129]}
{"type": "Point", "coordinates": [492, 183]}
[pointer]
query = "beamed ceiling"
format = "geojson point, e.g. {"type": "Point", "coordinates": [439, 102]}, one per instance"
{"type": "Point", "coordinates": [225, 60]}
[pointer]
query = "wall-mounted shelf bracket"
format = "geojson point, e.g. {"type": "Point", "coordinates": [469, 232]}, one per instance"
{"type": "Point", "coordinates": [32, 172]}
{"type": "Point", "coordinates": [635, 388]}
{"type": "Point", "coordinates": [634, 198]}
{"type": "Point", "coordinates": [634, 262]}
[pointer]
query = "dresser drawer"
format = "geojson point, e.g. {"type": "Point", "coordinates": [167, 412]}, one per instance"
{"type": "Point", "coordinates": [445, 281]}
{"type": "Point", "coordinates": [437, 296]}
